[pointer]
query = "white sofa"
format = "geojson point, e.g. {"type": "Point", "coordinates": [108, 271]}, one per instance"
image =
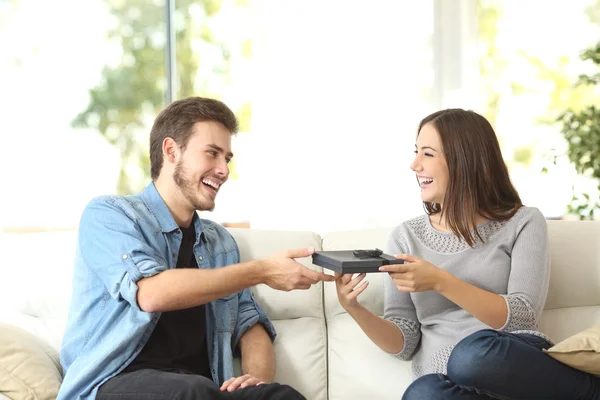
{"type": "Point", "coordinates": [320, 351]}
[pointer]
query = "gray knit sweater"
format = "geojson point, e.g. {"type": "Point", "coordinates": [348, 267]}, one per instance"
{"type": "Point", "coordinates": [513, 261]}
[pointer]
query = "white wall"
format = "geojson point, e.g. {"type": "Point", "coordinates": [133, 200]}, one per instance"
{"type": "Point", "coordinates": [339, 95]}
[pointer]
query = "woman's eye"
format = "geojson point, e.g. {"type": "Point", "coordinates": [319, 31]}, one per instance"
{"type": "Point", "coordinates": [428, 155]}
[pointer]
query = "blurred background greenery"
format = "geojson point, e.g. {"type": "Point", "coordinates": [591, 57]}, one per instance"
{"type": "Point", "coordinates": [99, 71]}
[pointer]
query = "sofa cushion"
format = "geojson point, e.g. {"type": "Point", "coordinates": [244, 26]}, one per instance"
{"type": "Point", "coordinates": [256, 244]}
{"type": "Point", "coordinates": [39, 305]}
{"type": "Point", "coordinates": [573, 246]}
{"type": "Point", "coordinates": [580, 351]}
{"type": "Point", "coordinates": [29, 367]}
{"type": "Point", "coordinates": [301, 343]}
{"type": "Point", "coordinates": [358, 369]}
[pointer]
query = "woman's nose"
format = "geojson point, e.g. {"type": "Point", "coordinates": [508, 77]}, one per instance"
{"type": "Point", "coordinates": [415, 165]}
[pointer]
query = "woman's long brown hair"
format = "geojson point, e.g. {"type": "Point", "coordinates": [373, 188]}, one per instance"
{"type": "Point", "coordinates": [478, 181]}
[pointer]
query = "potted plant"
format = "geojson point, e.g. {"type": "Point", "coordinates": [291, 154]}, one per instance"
{"type": "Point", "coordinates": [581, 129]}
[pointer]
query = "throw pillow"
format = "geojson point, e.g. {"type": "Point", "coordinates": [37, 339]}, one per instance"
{"type": "Point", "coordinates": [580, 351]}
{"type": "Point", "coordinates": [29, 368]}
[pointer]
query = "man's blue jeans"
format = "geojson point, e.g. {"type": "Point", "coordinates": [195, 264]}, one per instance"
{"type": "Point", "coordinates": [498, 365]}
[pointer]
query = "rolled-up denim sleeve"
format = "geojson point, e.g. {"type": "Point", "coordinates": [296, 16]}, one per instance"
{"type": "Point", "coordinates": [250, 313]}
{"type": "Point", "coordinates": [112, 245]}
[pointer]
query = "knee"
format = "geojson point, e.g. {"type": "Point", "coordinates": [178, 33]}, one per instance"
{"type": "Point", "coordinates": [426, 387]}
{"type": "Point", "coordinates": [474, 358]}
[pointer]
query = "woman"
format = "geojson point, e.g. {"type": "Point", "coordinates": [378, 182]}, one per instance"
{"type": "Point", "coordinates": [466, 303]}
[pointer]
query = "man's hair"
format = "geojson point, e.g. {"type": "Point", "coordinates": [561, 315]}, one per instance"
{"type": "Point", "coordinates": [177, 120]}
{"type": "Point", "coordinates": [478, 180]}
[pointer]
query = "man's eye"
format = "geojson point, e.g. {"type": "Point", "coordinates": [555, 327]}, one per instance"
{"type": "Point", "coordinates": [212, 153]}
{"type": "Point", "coordinates": [228, 160]}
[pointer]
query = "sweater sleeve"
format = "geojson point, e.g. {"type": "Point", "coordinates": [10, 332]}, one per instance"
{"type": "Point", "coordinates": [529, 275]}
{"type": "Point", "coordinates": [398, 306]}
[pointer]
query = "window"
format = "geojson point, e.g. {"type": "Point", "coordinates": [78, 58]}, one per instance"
{"type": "Point", "coordinates": [530, 59]}
{"type": "Point", "coordinates": [78, 87]}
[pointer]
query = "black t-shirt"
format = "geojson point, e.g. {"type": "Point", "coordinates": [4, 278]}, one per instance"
{"type": "Point", "coordinates": [179, 340]}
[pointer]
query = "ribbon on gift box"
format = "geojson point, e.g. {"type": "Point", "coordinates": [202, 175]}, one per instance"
{"type": "Point", "coordinates": [362, 254]}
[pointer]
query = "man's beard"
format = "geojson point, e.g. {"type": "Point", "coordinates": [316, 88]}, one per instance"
{"type": "Point", "coordinates": [187, 188]}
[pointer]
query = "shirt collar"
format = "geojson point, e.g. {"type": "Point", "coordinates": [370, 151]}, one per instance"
{"type": "Point", "coordinates": [159, 209]}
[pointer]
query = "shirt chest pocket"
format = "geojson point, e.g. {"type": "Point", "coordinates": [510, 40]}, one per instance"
{"type": "Point", "coordinates": [226, 310]}
{"type": "Point", "coordinates": [224, 258]}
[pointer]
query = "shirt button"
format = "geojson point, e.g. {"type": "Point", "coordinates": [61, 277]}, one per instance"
{"type": "Point", "coordinates": [200, 258]}
{"type": "Point", "coordinates": [124, 256]}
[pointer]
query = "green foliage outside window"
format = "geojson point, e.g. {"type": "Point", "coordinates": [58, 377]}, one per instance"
{"type": "Point", "coordinates": [581, 129]}
{"type": "Point", "coordinates": [129, 96]}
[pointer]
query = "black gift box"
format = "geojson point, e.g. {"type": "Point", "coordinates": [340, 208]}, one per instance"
{"type": "Point", "coordinates": [346, 261]}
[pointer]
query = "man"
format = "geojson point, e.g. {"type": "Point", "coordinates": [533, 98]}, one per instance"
{"type": "Point", "coordinates": [160, 299]}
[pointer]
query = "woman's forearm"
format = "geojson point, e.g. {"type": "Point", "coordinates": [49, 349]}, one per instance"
{"type": "Point", "coordinates": [490, 308]}
{"type": "Point", "coordinates": [385, 334]}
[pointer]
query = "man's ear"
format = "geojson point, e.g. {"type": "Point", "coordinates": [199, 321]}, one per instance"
{"type": "Point", "coordinates": [170, 150]}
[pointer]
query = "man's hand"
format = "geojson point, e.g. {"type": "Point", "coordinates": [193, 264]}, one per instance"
{"type": "Point", "coordinates": [282, 272]}
{"type": "Point", "coordinates": [240, 382]}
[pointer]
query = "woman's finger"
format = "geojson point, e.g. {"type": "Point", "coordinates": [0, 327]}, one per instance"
{"type": "Point", "coordinates": [357, 280]}
{"type": "Point", "coordinates": [358, 290]}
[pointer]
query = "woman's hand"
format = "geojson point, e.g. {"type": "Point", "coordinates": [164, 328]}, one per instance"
{"type": "Point", "coordinates": [348, 289]}
{"type": "Point", "coordinates": [415, 275]}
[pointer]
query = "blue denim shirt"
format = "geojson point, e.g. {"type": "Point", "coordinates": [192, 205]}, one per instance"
{"type": "Point", "coordinates": [125, 239]}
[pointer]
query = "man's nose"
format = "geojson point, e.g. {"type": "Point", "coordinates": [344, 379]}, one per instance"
{"type": "Point", "coordinates": [222, 169]}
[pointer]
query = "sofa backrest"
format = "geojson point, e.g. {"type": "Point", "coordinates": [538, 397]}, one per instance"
{"type": "Point", "coordinates": [320, 350]}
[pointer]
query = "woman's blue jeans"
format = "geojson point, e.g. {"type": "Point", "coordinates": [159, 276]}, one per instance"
{"type": "Point", "coordinates": [499, 365]}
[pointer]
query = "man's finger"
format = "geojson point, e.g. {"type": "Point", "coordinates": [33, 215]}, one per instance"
{"type": "Point", "coordinates": [302, 286]}
{"type": "Point", "coordinates": [249, 382]}
{"type": "Point", "coordinates": [310, 274]}
{"type": "Point", "coordinates": [237, 382]}
{"type": "Point", "coordinates": [300, 253]}
{"type": "Point", "coordinates": [227, 383]}
{"type": "Point", "coordinates": [326, 277]}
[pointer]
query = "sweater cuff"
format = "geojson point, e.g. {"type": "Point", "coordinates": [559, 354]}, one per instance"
{"type": "Point", "coordinates": [411, 330]}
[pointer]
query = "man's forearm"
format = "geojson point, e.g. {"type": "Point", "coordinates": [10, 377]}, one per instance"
{"type": "Point", "coordinates": [177, 289]}
{"type": "Point", "coordinates": [258, 357]}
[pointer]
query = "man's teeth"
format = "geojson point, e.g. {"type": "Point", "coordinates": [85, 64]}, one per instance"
{"type": "Point", "coordinates": [211, 183]}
